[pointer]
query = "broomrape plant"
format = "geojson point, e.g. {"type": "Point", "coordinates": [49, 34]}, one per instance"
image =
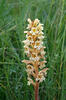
{"type": "Point", "coordinates": [34, 49]}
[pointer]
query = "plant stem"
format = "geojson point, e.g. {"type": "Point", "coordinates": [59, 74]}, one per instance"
{"type": "Point", "coordinates": [37, 91]}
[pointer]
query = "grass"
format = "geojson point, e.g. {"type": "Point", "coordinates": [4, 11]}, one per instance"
{"type": "Point", "coordinates": [13, 21]}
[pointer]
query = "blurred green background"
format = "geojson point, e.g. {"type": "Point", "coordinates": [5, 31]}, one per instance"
{"type": "Point", "coordinates": [13, 22]}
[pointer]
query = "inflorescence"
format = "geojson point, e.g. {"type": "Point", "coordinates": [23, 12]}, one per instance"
{"type": "Point", "coordinates": [34, 49]}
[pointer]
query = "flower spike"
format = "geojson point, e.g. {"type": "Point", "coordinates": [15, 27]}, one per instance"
{"type": "Point", "coordinates": [34, 49]}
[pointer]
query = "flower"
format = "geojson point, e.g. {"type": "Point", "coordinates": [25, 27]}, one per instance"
{"type": "Point", "coordinates": [40, 77]}
{"type": "Point", "coordinates": [39, 27]}
{"type": "Point", "coordinates": [42, 66]}
{"type": "Point", "coordinates": [30, 69]}
{"type": "Point", "coordinates": [36, 22]}
{"type": "Point", "coordinates": [29, 81]}
{"type": "Point", "coordinates": [29, 20]}
{"type": "Point", "coordinates": [27, 42]}
{"type": "Point", "coordinates": [25, 31]}
{"type": "Point", "coordinates": [35, 58]}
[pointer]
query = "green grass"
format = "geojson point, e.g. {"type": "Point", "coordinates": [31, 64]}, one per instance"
{"type": "Point", "coordinates": [13, 22]}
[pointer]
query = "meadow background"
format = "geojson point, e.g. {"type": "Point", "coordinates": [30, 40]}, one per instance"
{"type": "Point", "coordinates": [13, 22]}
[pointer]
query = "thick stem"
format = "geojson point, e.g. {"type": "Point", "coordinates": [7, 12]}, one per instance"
{"type": "Point", "coordinates": [37, 91]}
